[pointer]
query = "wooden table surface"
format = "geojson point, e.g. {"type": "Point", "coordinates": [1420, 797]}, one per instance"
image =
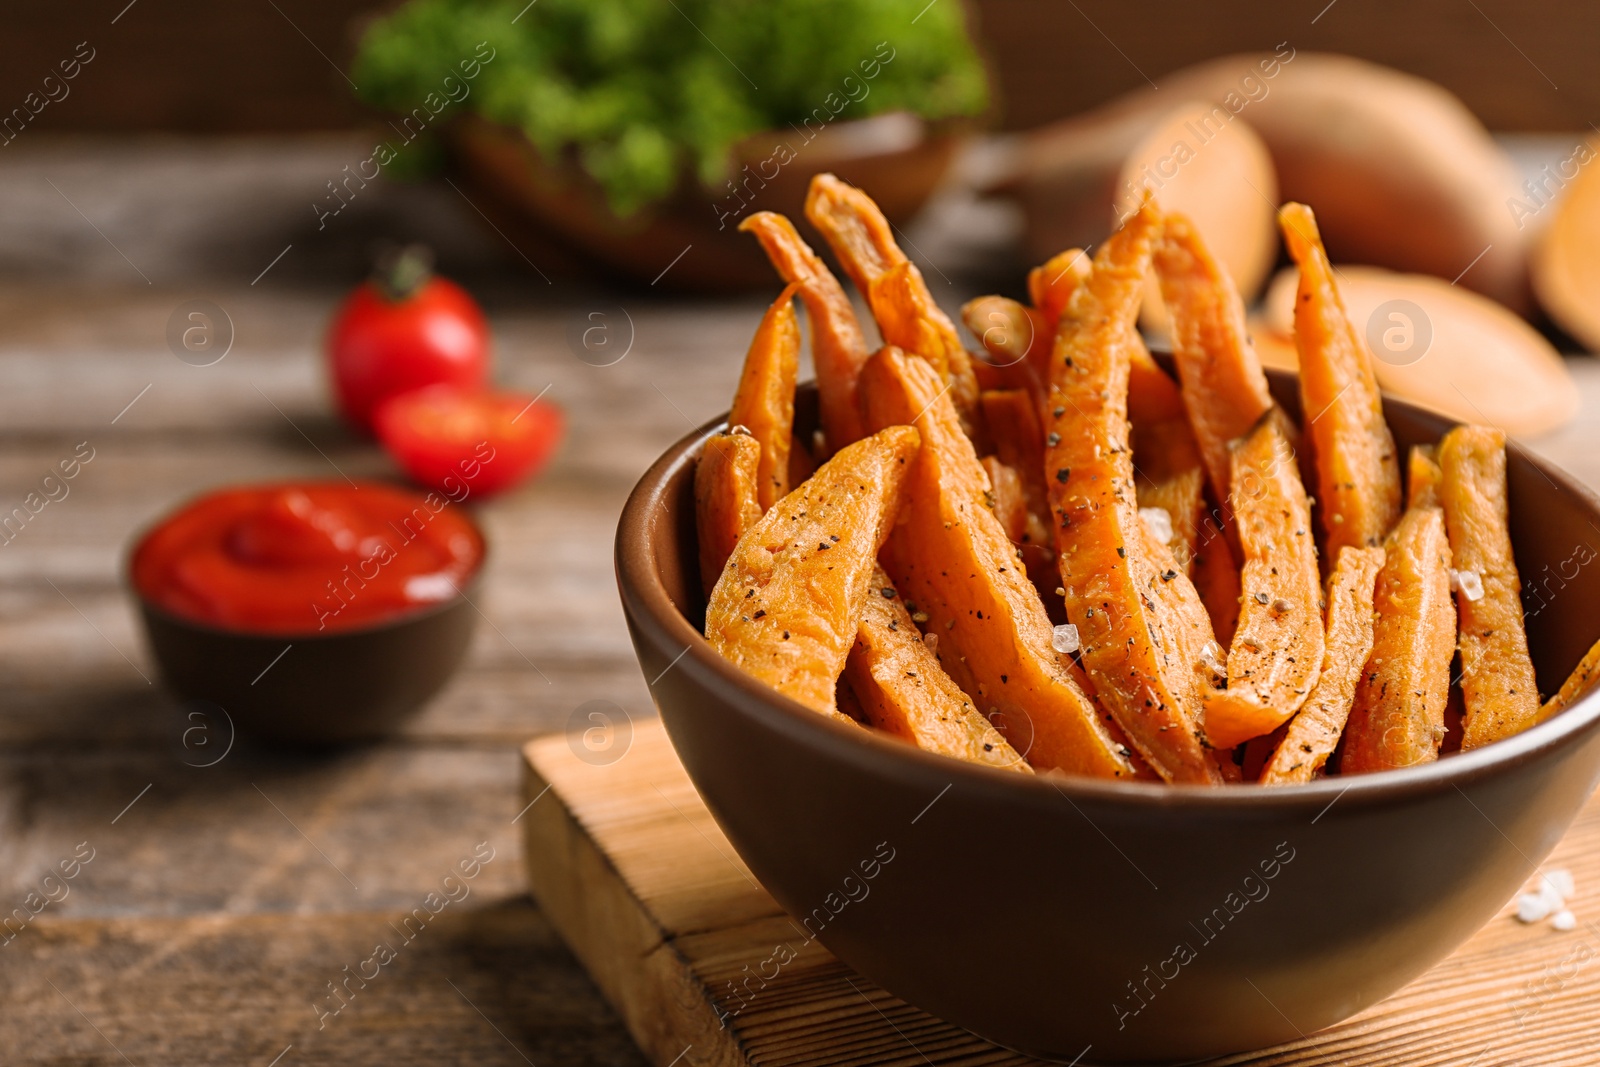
{"type": "Point", "coordinates": [222, 900]}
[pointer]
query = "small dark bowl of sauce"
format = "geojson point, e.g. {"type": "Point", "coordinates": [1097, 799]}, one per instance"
{"type": "Point", "coordinates": [312, 613]}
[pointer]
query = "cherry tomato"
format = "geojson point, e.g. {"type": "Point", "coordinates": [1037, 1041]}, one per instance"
{"type": "Point", "coordinates": [467, 443]}
{"type": "Point", "coordinates": [402, 330]}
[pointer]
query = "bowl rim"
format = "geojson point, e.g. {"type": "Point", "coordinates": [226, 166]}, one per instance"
{"type": "Point", "coordinates": [649, 607]}
{"type": "Point", "coordinates": [379, 625]}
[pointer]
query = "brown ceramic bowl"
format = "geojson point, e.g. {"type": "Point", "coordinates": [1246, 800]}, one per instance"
{"type": "Point", "coordinates": [312, 689]}
{"type": "Point", "coordinates": [1122, 921]}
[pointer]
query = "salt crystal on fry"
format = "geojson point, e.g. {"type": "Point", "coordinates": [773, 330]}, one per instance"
{"type": "Point", "coordinates": [1468, 583]}
{"type": "Point", "coordinates": [1065, 639]}
{"type": "Point", "coordinates": [1158, 522]}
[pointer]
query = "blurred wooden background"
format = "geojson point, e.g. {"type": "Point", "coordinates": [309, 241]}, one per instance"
{"type": "Point", "coordinates": [264, 65]}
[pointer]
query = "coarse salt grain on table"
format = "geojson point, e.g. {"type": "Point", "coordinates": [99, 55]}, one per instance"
{"type": "Point", "coordinates": [1549, 900]}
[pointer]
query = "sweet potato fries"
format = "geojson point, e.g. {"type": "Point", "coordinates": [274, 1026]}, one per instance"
{"type": "Point", "coordinates": [1060, 556]}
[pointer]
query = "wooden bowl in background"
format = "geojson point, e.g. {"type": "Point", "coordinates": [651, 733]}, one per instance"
{"type": "Point", "coordinates": [897, 158]}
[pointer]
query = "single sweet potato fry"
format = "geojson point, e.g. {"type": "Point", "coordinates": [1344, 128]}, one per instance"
{"type": "Point", "coordinates": [1216, 578]}
{"type": "Point", "coordinates": [1052, 283]}
{"type": "Point", "coordinates": [764, 401]}
{"type": "Point", "coordinates": [902, 690]}
{"type": "Point", "coordinates": [1169, 476]}
{"type": "Point", "coordinates": [1397, 716]}
{"type": "Point", "coordinates": [1578, 683]}
{"type": "Point", "coordinates": [1423, 477]}
{"type": "Point", "coordinates": [950, 558]}
{"type": "Point", "coordinates": [844, 698]}
{"type": "Point", "coordinates": [1012, 419]}
{"type": "Point", "coordinates": [801, 465]}
{"type": "Point", "coordinates": [725, 499]}
{"type": "Point", "coordinates": [1017, 338]}
{"type": "Point", "coordinates": [1497, 684]}
{"type": "Point", "coordinates": [1224, 387]}
{"type": "Point", "coordinates": [1358, 469]}
{"type": "Point", "coordinates": [908, 318]}
{"type": "Point", "coordinates": [1019, 443]}
{"type": "Point", "coordinates": [1139, 671]}
{"type": "Point", "coordinates": [1166, 458]}
{"type": "Point", "coordinates": [1314, 731]}
{"type": "Point", "coordinates": [838, 348]}
{"type": "Point", "coordinates": [1152, 395]}
{"type": "Point", "coordinates": [1277, 647]}
{"type": "Point", "coordinates": [1006, 499]}
{"type": "Point", "coordinates": [787, 605]}
{"type": "Point", "coordinates": [1180, 620]}
{"type": "Point", "coordinates": [894, 288]}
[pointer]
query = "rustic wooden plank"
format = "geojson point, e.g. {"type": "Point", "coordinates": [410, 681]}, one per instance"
{"type": "Point", "coordinates": [257, 831]}
{"type": "Point", "coordinates": [485, 982]}
{"type": "Point", "coordinates": [628, 864]}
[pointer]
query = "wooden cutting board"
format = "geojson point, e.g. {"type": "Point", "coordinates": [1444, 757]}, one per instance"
{"type": "Point", "coordinates": [631, 868]}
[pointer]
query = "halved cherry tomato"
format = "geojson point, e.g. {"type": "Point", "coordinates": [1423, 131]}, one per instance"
{"type": "Point", "coordinates": [467, 443]}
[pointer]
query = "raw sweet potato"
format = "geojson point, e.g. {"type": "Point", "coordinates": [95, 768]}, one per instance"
{"type": "Point", "coordinates": [1444, 347]}
{"type": "Point", "coordinates": [1224, 387]}
{"type": "Point", "coordinates": [1423, 476]}
{"type": "Point", "coordinates": [1277, 648]}
{"type": "Point", "coordinates": [1577, 683]}
{"type": "Point", "coordinates": [1565, 268]}
{"type": "Point", "coordinates": [725, 499]}
{"type": "Point", "coordinates": [1074, 177]}
{"type": "Point", "coordinates": [838, 348]}
{"type": "Point", "coordinates": [1397, 715]}
{"type": "Point", "coordinates": [1314, 731]}
{"type": "Point", "coordinates": [1138, 671]}
{"type": "Point", "coordinates": [786, 607]}
{"type": "Point", "coordinates": [951, 559]}
{"type": "Point", "coordinates": [907, 316]}
{"type": "Point", "coordinates": [902, 690]}
{"type": "Point", "coordinates": [1400, 170]}
{"type": "Point", "coordinates": [1500, 694]}
{"type": "Point", "coordinates": [764, 401]}
{"type": "Point", "coordinates": [1358, 469]}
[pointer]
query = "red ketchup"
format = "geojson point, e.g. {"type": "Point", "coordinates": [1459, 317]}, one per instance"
{"type": "Point", "coordinates": [303, 558]}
